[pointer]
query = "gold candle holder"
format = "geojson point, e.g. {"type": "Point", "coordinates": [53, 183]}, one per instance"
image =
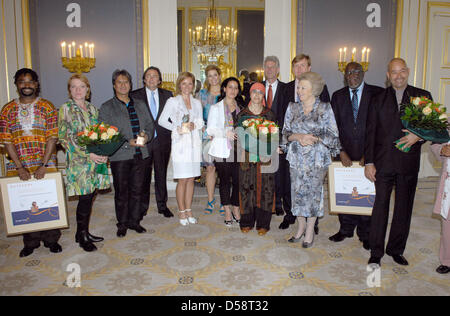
{"type": "Point", "coordinates": [342, 63]}
{"type": "Point", "coordinates": [169, 82]}
{"type": "Point", "coordinates": [80, 62]}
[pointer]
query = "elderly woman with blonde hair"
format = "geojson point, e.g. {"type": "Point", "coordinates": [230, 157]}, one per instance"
{"type": "Point", "coordinates": [310, 137]}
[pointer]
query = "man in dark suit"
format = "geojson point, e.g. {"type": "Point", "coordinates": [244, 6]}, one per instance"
{"type": "Point", "coordinates": [350, 106]}
{"type": "Point", "coordinates": [159, 148]}
{"type": "Point", "coordinates": [274, 101]}
{"type": "Point", "coordinates": [300, 65]}
{"type": "Point", "coordinates": [387, 166]}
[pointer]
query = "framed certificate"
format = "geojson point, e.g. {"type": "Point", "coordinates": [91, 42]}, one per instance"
{"type": "Point", "coordinates": [34, 205]}
{"type": "Point", "coordinates": [350, 191]}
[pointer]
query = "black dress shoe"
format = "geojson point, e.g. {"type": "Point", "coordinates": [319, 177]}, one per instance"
{"type": "Point", "coordinates": [400, 260]}
{"type": "Point", "coordinates": [166, 212]}
{"type": "Point", "coordinates": [85, 243]}
{"type": "Point", "coordinates": [91, 238]}
{"type": "Point", "coordinates": [121, 232]}
{"type": "Point", "coordinates": [443, 269]}
{"type": "Point", "coordinates": [284, 225]}
{"type": "Point", "coordinates": [25, 252]}
{"type": "Point", "coordinates": [55, 248]}
{"type": "Point", "coordinates": [338, 237]}
{"type": "Point", "coordinates": [374, 260]}
{"type": "Point", "coordinates": [138, 229]}
{"type": "Point", "coordinates": [279, 211]}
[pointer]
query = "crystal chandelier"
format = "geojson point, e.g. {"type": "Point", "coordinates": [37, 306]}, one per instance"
{"type": "Point", "coordinates": [212, 40]}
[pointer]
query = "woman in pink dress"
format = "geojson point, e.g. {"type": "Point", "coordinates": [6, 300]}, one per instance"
{"type": "Point", "coordinates": [442, 205]}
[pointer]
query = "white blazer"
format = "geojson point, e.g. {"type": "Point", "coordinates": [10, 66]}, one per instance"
{"type": "Point", "coordinates": [216, 129]}
{"type": "Point", "coordinates": [185, 147]}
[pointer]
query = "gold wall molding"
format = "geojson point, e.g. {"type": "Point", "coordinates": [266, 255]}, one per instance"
{"type": "Point", "coordinates": [26, 33]}
{"type": "Point", "coordinates": [430, 6]}
{"type": "Point", "coordinates": [444, 82]}
{"type": "Point", "coordinates": [145, 33]}
{"type": "Point", "coordinates": [398, 28]}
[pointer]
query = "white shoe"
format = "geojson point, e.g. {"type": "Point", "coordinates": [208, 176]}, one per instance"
{"type": "Point", "coordinates": [183, 221]}
{"type": "Point", "coordinates": [192, 220]}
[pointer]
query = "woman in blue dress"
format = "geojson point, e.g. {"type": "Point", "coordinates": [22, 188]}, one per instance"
{"type": "Point", "coordinates": [208, 97]}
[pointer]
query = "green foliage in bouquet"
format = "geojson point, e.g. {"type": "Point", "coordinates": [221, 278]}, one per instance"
{"type": "Point", "coordinates": [422, 113]}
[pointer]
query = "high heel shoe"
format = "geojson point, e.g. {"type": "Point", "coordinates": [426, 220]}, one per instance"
{"type": "Point", "coordinates": [294, 240]}
{"type": "Point", "coordinates": [235, 219]}
{"type": "Point", "coordinates": [308, 244]}
{"type": "Point", "coordinates": [210, 207]}
{"type": "Point", "coordinates": [183, 221]}
{"type": "Point", "coordinates": [191, 219]}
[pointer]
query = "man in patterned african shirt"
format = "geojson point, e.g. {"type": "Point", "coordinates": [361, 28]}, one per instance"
{"type": "Point", "coordinates": [29, 131]}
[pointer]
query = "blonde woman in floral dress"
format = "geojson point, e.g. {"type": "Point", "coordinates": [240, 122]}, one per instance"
{"type": "Point", "coordinates": [81, 167]}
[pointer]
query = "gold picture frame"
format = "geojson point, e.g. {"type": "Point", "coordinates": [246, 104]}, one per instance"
{"type": "Point", "coordinates": [350, 192]}
{"type": "Point", "coordinates": [34, 205]}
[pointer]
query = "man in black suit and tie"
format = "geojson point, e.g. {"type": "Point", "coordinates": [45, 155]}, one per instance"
{"type": "Point", "coordinates": [274, 101]}
{"type": "Point", "coordinates": [387, 166]}
{"type": "Point", "coordinates": [159, 148]}
{"type": "Point", "coordinates": [350, 106]}
{"type": "Point", "coordinates": [300, 65]}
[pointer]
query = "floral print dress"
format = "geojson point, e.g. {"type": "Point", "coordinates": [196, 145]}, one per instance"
{"type": "Point", "coordinates": [309, 164]}
{"type": "Point", "coordinates": [81, 174]}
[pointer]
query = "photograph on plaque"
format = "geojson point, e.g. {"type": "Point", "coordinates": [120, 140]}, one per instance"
{"type": "Point", "coordinates": [350, 191]}
{"type": "Point", "coordinates": [34, 205]}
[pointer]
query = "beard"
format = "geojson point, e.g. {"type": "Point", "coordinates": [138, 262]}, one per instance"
{"type": "Point", "coordinates": [27, 92]}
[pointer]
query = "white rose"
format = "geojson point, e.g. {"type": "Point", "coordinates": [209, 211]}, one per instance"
{"type": "Point", "coordinates": [111, 132]}
{"type": "Point", "coordinates": [245, 123]}
{"type": "Point", "coordinates": [264, 130]}
{"type": "Point", "coordinates": [443, 116]}
{"type": "Point", "coordinates": [427, 110]}
{"type": "Point", "coordinates": [104, 136]}
{"type": "Point", "coordinates": [416, 101]}
{"type": "Point", "coordinates": [94, 136]}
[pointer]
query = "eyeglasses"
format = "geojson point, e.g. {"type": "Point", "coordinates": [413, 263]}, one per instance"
{"type": "Point", "coordinates": [353, 72]}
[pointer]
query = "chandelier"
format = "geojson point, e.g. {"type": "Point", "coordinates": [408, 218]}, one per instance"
{"type": "Point", "coordinates": [212, 40]}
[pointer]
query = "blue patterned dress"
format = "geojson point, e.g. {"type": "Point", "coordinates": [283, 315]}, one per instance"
{"type": "Point", "coordinates": [309, 164]}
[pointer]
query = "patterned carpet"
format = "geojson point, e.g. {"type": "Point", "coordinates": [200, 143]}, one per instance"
{"type": "Point", "coordinates": [211, 259]}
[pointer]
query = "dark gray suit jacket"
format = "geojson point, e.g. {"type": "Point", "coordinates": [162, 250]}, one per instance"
{"type": "Point", "coordinates": [115, 113]}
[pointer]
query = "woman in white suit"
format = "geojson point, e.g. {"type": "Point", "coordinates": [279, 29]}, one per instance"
{"type": "Point", "coordinates": [186, 122]}
{"type": "Point", "coordinates": [221, 121]}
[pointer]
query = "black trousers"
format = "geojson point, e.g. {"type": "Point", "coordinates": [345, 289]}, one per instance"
{"type": "Point", "coordinates": [84, 210]}
{"type": "Point", "coordinates": [228, 173]}
{"type": "Point", "coordinates": [49, 237]}
{"type": "Point", "coordinates": [350, 222]}
{"type": "Point", "coordinates": [159, 156]}
{"type": "Point", "coordinates": [128, 177]}
{"type": "Point", "coordinates": [405, 189]}
{"type": "Point", "coordinates": [283, 188]}
{"type": "Point", "coordinates": [260, 217]}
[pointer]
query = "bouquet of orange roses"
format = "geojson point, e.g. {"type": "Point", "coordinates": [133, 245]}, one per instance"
{"type": "Point", "coordinates": [101, 139]}
{"type": "Point", "coordinates": [426, 119]}
{"type": "Point", "coordinates": [258, 136]}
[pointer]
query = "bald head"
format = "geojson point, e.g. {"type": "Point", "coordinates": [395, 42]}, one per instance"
{"type": "Point", "coordinates": [398, 73]}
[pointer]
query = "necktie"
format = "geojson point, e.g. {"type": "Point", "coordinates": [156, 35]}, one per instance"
{"type": "Point", "coordinates": [270, 97]}
{"type": "Point", "coordinates": [355, 104]}
{"type": "Point", "coordinates": [153, 108]}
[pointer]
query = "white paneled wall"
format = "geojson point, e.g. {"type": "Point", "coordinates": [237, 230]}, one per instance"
{"type": "Point", "coordinates": [424, 43]}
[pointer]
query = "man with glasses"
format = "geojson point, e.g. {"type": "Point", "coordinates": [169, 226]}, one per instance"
{"type": "Point", "coordinates": [351, 105]}
{"type": "Point", "coordinates": [29, 130]}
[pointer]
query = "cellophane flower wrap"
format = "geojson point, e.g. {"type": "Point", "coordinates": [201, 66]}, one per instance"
{"type": "Point", "coordinates": [101, 139]}
{"type": "Point", "coordinates": [426, 119]}
{"type": "Point", "coordinates": [258, 136]}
